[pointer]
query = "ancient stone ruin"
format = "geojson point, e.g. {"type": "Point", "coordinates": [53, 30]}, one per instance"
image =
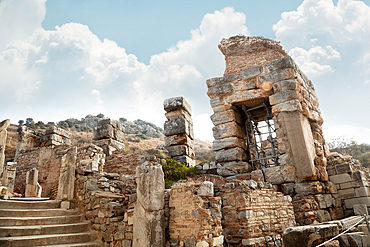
{"type": "Point", "coordinates": [109, 135]}
{"type": "Point", "coordinates": [178, 129]}
{"type": "Point", "coordinates": [3, 133]}
{"type": "Point", "coordinates": [273, 183]}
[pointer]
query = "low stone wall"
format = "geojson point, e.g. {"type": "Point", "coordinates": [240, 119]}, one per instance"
{"type": "Point", "coordinates": [195, 215]}
{"type": "Point", "coordinates": [124, 163]}
{"type": "Point", "coordinates": [109, 204]}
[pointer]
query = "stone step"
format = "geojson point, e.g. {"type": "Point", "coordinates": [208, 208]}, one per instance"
{"type": "Point", "coordinates": [14, 231]}
{"type": "Point", "coordinates": [29, 221]}
{"type": "Point", "coordinates": [48, 240]}
{"type": "Point", "coordinates": [36, 212]}
{"type": "Point", "coordinates": [12, 204]}
{"type": "Point", "coordinates": [89, 244]}
{"type": "Point", "coordinates": [28, 199]}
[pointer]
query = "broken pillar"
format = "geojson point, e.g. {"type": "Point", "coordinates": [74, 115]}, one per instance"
{"type": "Point", "coordinates": [266, 114]}
{"type": "Point", "coordinates": [56, 136]}
{"type": "Point", "coordinates": [9, 176]}
{"type": "Point", "coordinates": [33, 188]}
{"type": "Point", "coordinates": [109, 135]}
{"type": "Point", "coordinates": [3, 133]}
{"type": "Point", "coordinates": [178, 129]}
{"type": "Point", "coordinates": [67, 175]}
{"type": "Point", "coordinates": [149, 221]}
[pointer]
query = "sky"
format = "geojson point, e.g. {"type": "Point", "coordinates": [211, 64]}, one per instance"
{"type": "Point", "coordinates": [67, 59]}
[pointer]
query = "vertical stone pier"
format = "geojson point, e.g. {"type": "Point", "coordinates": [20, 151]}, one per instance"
{"type": "Point", "coordinates": [33, 188]}
{"type": "Point", "coordinates": [109, 135]}
{"type": "Point", "coordinates": [149, 221]}
{"type": "Point", "coordinates": [178, 129]}
{"type": "Point", "coordinates": [67, 175]}
{"type": "Point", "coordinates": [3, 133]}
{"type": "Point", "coordinates": [8, 179]}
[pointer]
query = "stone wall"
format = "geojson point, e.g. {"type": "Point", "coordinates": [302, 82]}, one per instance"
{"type": "Point", "coordinates": [109, 135]}
{"type": "Point", "coordinates": [124, 162]}
{"type": "Point", "coordinates": [260, 75]}
{"type": "Point", "coordinates": [47, 160]}
{"type": "Point", "coordinates": [195, 215]}
{"type": "Point", "coordinates": [108, 204]}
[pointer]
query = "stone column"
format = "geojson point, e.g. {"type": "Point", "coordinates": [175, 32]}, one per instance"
{"type": "Point", "coordinates": [3, 133]}
{"type": "Point", "coordinates": [9, 176]}
{"type": "Point", "coordinates": [109, 135]}
{"type": "Point", "coordinates": [32, 187]}
{"type": "Point", "coordinates": [22, 140]}
{"type": "Point", "coordinates": [67, 174]}
{"type": "Point", "coordinates": [149, 222]}
{"type": "Point", "coordinates": [179, 140]}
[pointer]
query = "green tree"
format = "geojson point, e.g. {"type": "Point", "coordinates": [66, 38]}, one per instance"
{"type": "Point", "coordinates": [50, 124]}
{"type": "Point", "coordinates": [30, 123]}
{"type": "Point", "coordinates": [100, 115]}
{"type": "Point", "coordinates": [63, 124]}
{"type": "Point", "coordinates": [20, 122]}
{"type": "Point", "coordinates": [40, 124]}
{"type": "Point", "coordinates": [122, 119]}
{"type": "Point", "coordinates": [70, 124]}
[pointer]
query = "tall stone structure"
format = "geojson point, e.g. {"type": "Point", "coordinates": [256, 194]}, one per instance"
{"type": "Point", "coordinates": [33, 188]}
{"type": "Point", "coordinates": [149, 222]}
{"type": "Point", "coordinates": [27, 135]}
{"type": "Point", "coordinates": [266, 114]}
{"type": "Point", "coordinates": [178, 129]}
{"type": "Point", "coordinates": [109, 135]}
{"type": "Point", "coordinates": [3, 133]}
{"type": "Point", "coordinates": [67, 175]}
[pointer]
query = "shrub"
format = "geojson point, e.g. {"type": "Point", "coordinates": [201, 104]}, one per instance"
{"type": "Point", "coordinates": [141, 136]}
{"type": "Point", "coordinates": [174, 171]}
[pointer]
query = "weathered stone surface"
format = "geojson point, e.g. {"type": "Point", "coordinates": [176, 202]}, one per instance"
{"type": "Point", "coordinates": [58, 131]}
{"type": "Point", "coordinates": [347, 193]}
{"type": "Point", "coordinates": [285, 85]}
{"type": "Point", "coordinates": [304, 236]}
{"type": "Point", "coordinates": [355, 239]}
{"type": "Point", "coordinates": [323, 215]}
{"type": "Point", "coordinates": [67, 174]}
{"type": "Point", "coordinates": [230, 115]}
{"type": "Point", "coordinates": [251, 72]}
{"type": "Point", "coordinates": [231, 154]}
{"type": "Point", "coordinates": [176, 103]}
{"type": "Point", "coordinates": [246, 96]}
{"type": "Point", "coordinates": [253, 241]}
{"type": "Point", "coordinates": [202, 244]}
{"type": "Point", "coordinates": [150, 186]}
{"type": "Point", "coordinates": [343, 168]}
{"type": "Point", "coordinates": [148, 229]}
{"type": "Point", "coordinates": [179, 150]}
{"type": "Point", "coordinates": [180, 139]}
{"type": "Point", "coordinates": [110, 145]}
{"type": "Point", "coordinates": [177, 113]}
{"type": "Point", "coordinates": [230, 129]}
{"type": "Point", "coordinates": [360, 209]}
{"type": "Point", "coordinates": [349, 203]}
{"type": "Point", "coordinates": [114, 123]}
{"type": "Point", "coordinates": [178, 125]}
{"type": "Point", "coordinates": [228, 142]}
{"type": "Point", "coordinates": [280, 174]}
{"type": "Point", "coordinates": [360, 177]}
{"type": "Point", "coordinates": [283, 96]}
{"type": "Point", "coordinates": [301, 143]}
{"type": "Point", "coordinates": [4, 124]}
{"type": "Point", "coordinates": [238, 166]}
{"type": "Point", "coordinates": [9, 176]}
{"type": "Point", "coordinates": [308, 188]}
{"type": "Point", "coordinates": [324, 200]}
{"type": "Point", "coordinates": [206, 189]}
{"type": "Point", "coordinates": [219, 90]}
{"type": "Point", "coordinates": [31, 183]}
{"type": "Point", "coordinates": [225, 173]}
{"type": "Point", "coordinates": [340, 178]}
{"type": "Point", "coordinates": [282, 63]}
{"type": "Point", "coordinates": [288, 188]}
{"type": "Point", "coordinates": [186, 159]}
{"type": "Point", "coordinates": [287, 106]}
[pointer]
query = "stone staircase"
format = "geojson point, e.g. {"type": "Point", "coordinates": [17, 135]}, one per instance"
{"type": "Point", "coordinates": [43, 223]}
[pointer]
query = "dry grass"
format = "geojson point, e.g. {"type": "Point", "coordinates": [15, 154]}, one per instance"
{"type": "Point", "coordinates": [202, 148]}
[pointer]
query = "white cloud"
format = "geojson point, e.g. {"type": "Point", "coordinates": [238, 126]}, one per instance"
{"type": "Point", "coordinates": [313, 62]}
{"type": "Point", "coordinates": [70, 72]}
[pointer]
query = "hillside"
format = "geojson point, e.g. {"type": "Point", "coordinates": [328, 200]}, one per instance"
{"type": "Point", "coordinates": [134, 141]}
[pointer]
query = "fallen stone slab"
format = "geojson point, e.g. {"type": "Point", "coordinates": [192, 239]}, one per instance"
{"type": "Point", "coordinates": [306, 236]}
